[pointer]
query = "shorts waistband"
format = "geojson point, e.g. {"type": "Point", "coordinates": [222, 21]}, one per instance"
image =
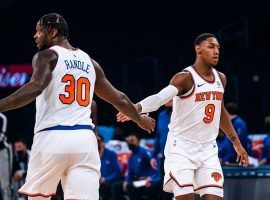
{"type": "Point", "coordinates": [75, 127]}
{"type": "Point", "coordinates": [179, 138]}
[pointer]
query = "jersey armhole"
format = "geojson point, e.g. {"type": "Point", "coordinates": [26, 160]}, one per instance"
{"type": "Point", "coordinates": [191, 91]}
{"type": "Point", "coordinates": [53, 50]}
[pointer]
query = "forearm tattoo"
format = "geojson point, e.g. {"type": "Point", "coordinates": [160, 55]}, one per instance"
{"type": "Point", "coordinates": [232, 137]}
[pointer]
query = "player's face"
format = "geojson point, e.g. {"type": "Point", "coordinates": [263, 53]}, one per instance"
{"type": "Point", "coordinates": [209, 51]}
{"type": "Point", "coordinates": [42, 38]}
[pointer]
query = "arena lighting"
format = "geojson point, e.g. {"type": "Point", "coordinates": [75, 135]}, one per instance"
{"type": "Point", "coordinates": [13, 76]}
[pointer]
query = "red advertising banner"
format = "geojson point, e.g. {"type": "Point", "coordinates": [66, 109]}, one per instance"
{"type": "Point", "coordinates": [14, 75]}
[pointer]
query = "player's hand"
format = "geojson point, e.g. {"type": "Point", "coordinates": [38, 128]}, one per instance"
{"type": "Point", "coordinates": [153, 163]}
{"type": "Point", "coordinates": [121, 117]}
{"type": "Point", "coordinates": [147, 123]}
{"type": "Point", "coordinates": [242, 156]}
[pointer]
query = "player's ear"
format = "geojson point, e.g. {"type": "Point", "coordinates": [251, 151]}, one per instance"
{"type": "Point", "coordinates": [197, 49]}
{"type": "Point", "coordinates": [54, 32]}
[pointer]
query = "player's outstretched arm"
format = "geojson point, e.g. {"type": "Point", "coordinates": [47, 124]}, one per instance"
{"type": "Point", "coordinates": [227, 127]}
{"type": "Point", "coordinates": [105, 90]}
{"type": "Point", "coordinates": [152, 103]}
{"type": "Point", "coordinates": [43, 64]}
{"type": "Point", "coordinates": [178, 85]}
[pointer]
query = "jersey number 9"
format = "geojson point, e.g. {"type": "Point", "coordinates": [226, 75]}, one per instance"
{"type": "Point", "coordinates": [210, 113]}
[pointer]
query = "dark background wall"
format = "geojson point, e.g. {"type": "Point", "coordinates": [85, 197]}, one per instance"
{"type": "Point", "coordinates": [141, 45]}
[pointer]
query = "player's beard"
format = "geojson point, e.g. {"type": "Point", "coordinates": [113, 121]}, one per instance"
{"type": "Point", "coordinates": [42, 47]}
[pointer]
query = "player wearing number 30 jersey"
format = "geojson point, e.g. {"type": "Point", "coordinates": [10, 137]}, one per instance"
{"type": "Point", "coordinates": [70, 90]}
{"type": "Point", "coordinates": [191, 155]}
{"type": "Point", "coordinates": [63, 83]}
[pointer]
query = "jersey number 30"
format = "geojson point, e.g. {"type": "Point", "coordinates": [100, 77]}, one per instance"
{"type": "Point", "coordinates": [78, 90]}
{"type": "Point", "coordinates": [210, 113]}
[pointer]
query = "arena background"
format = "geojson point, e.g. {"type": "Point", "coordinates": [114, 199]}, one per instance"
{"type": "Point", "coordinates": [141, 45]}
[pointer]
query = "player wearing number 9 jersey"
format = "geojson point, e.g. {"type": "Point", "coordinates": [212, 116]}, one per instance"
{"type": "Point", "coordinates": [65, 147]}
{"type": "Point", "coordinates": [191, 155]}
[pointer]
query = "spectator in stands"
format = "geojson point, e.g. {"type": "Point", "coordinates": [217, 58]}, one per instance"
{"type": "Point", "coordinates": [267, 124]}
{"type": "Point", "coordinates": [110, 170]}
{"type": "Point", "coordinates": [119, 134]}
{"type": "Point", "coordinates": [20, 163]}
{"type": "Point", "coordinates": [265, 159]}
{"type": "Point", "coordinates": [239, 125]}
{"type": "Point", "coordinates": [5, 161]}
{"type": "Point", "coordinates": [225, 149]}
{"type": "Point", "coordinates": [139, 169]}
{"type": "Point", "coordinates": [162, 130]}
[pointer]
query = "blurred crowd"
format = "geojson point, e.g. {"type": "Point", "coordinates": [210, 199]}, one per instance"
{"type": "Point", "coordinates": [131, 166]}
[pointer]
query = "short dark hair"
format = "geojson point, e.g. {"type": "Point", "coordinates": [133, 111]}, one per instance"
{"type": "Point", "coordinates": [203, 37]}
{"type": "Point", "coordinates": [232, 108]}
{"type": "Point", "coordinates": [55, 20]}
{"type": "Point", "coordinates": [137, 135]}
{"type": "Point", "coordinates": [20, 140]}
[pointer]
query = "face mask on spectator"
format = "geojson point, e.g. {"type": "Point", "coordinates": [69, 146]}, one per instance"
{"type": "Point", "coordinates": [20, 154]}
{"type": "Point", "coordinates": [132, 147]}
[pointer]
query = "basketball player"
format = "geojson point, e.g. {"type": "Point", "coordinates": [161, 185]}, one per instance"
{"type": "Point", "coordinates": [191, 154]}
{"type": "Point", "coordinates": [65, 147]}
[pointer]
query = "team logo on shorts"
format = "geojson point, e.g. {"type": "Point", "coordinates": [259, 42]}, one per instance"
{"type": "Point", "coordinates": [216, 176]}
